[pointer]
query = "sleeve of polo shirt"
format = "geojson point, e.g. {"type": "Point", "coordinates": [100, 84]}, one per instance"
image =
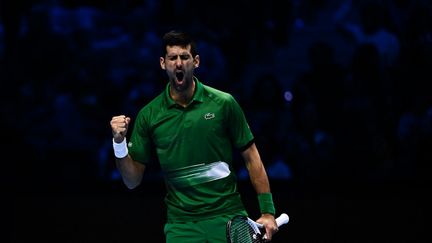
{"type": "Point", "coordinates": [139, 145]}
{"type": "Point", "coordinates": [238, 127]}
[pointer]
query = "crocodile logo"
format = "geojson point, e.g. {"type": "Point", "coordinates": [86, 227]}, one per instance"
{"type": "Point", "coordinates": [209, 116]}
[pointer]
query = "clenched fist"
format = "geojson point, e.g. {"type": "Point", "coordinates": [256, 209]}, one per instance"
{"type": "Point", "coordinates": [119, 126]}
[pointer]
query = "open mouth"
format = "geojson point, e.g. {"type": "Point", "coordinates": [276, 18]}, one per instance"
{"type": "Point", "coordinates": [179, 76]}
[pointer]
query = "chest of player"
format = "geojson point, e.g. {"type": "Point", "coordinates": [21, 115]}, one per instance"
{"type": "Point", "coordinates": [195, 124]}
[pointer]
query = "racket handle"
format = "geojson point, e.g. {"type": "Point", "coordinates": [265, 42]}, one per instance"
{"type": "Point", "coordinates": [282, 219]}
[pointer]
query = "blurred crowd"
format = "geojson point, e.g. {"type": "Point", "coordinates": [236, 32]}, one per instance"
{"type": "Point", "coordinates": [333, 90]}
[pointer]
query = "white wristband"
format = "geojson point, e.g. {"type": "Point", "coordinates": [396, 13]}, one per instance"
{"type": "Point", "coordinates": [120, 149]}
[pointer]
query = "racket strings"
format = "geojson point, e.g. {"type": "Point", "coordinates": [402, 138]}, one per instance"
{"type": "Point", "coordinates": [240, 231]}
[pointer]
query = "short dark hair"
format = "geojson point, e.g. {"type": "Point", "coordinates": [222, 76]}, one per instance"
{"type": "Point", "coordinates": [178, 38]}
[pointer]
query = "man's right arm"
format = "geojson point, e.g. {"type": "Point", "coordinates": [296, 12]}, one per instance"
{"type": "Point", "coordinates": [130, 170]}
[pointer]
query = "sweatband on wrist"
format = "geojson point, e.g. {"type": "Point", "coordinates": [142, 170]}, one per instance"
{"type": "Point", "coordinates": [265, 201]}
{"type": "Point", "coordinates": [120, 149]}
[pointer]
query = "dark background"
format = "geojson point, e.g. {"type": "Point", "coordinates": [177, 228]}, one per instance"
{"type": "Point", "coordinates": [337, 94]}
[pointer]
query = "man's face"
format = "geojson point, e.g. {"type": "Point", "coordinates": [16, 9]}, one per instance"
{"type": "Point", "coordinates": [179, 66]}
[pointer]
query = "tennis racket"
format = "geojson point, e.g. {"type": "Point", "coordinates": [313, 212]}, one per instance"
{"type": "Point", "coordinates": [242, 229]}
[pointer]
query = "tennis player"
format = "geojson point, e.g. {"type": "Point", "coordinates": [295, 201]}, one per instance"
{"type": "Point", "coordinates": [194, 129]}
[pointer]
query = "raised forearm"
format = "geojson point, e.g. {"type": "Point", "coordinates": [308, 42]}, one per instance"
{"type": "Point", "coordinates": [131, 171]}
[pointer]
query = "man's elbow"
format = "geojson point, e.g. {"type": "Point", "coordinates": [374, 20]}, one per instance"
{"type": "Point", "coordinates": [132, 184]}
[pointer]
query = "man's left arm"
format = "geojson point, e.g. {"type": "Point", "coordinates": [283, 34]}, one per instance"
{"type": "Point", "coordinates": [261, 184]}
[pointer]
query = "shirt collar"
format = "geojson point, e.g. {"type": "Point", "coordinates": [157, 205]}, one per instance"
{"type": "Point", "coordinates": [197, 97]}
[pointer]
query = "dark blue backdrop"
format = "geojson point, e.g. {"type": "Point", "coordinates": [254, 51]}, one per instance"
{"type": "Point", "coordinates": [337, 94]}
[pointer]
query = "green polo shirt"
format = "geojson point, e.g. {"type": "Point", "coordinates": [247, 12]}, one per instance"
{"type": "Point", "coordinates": [194, 146]}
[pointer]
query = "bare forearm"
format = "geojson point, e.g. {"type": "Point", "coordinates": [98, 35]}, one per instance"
{"type": "Point", "coordinates": [257, 172]}
{"type": "Point", "coordinates": [261, 184]}
{"type": "Point", "coordinates": [131, 171]}
{"type": "Point", "coordinates": [258, 177]}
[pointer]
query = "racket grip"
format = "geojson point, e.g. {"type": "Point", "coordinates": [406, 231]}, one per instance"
{"type": "Point", "coordinates": [282, 219]}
